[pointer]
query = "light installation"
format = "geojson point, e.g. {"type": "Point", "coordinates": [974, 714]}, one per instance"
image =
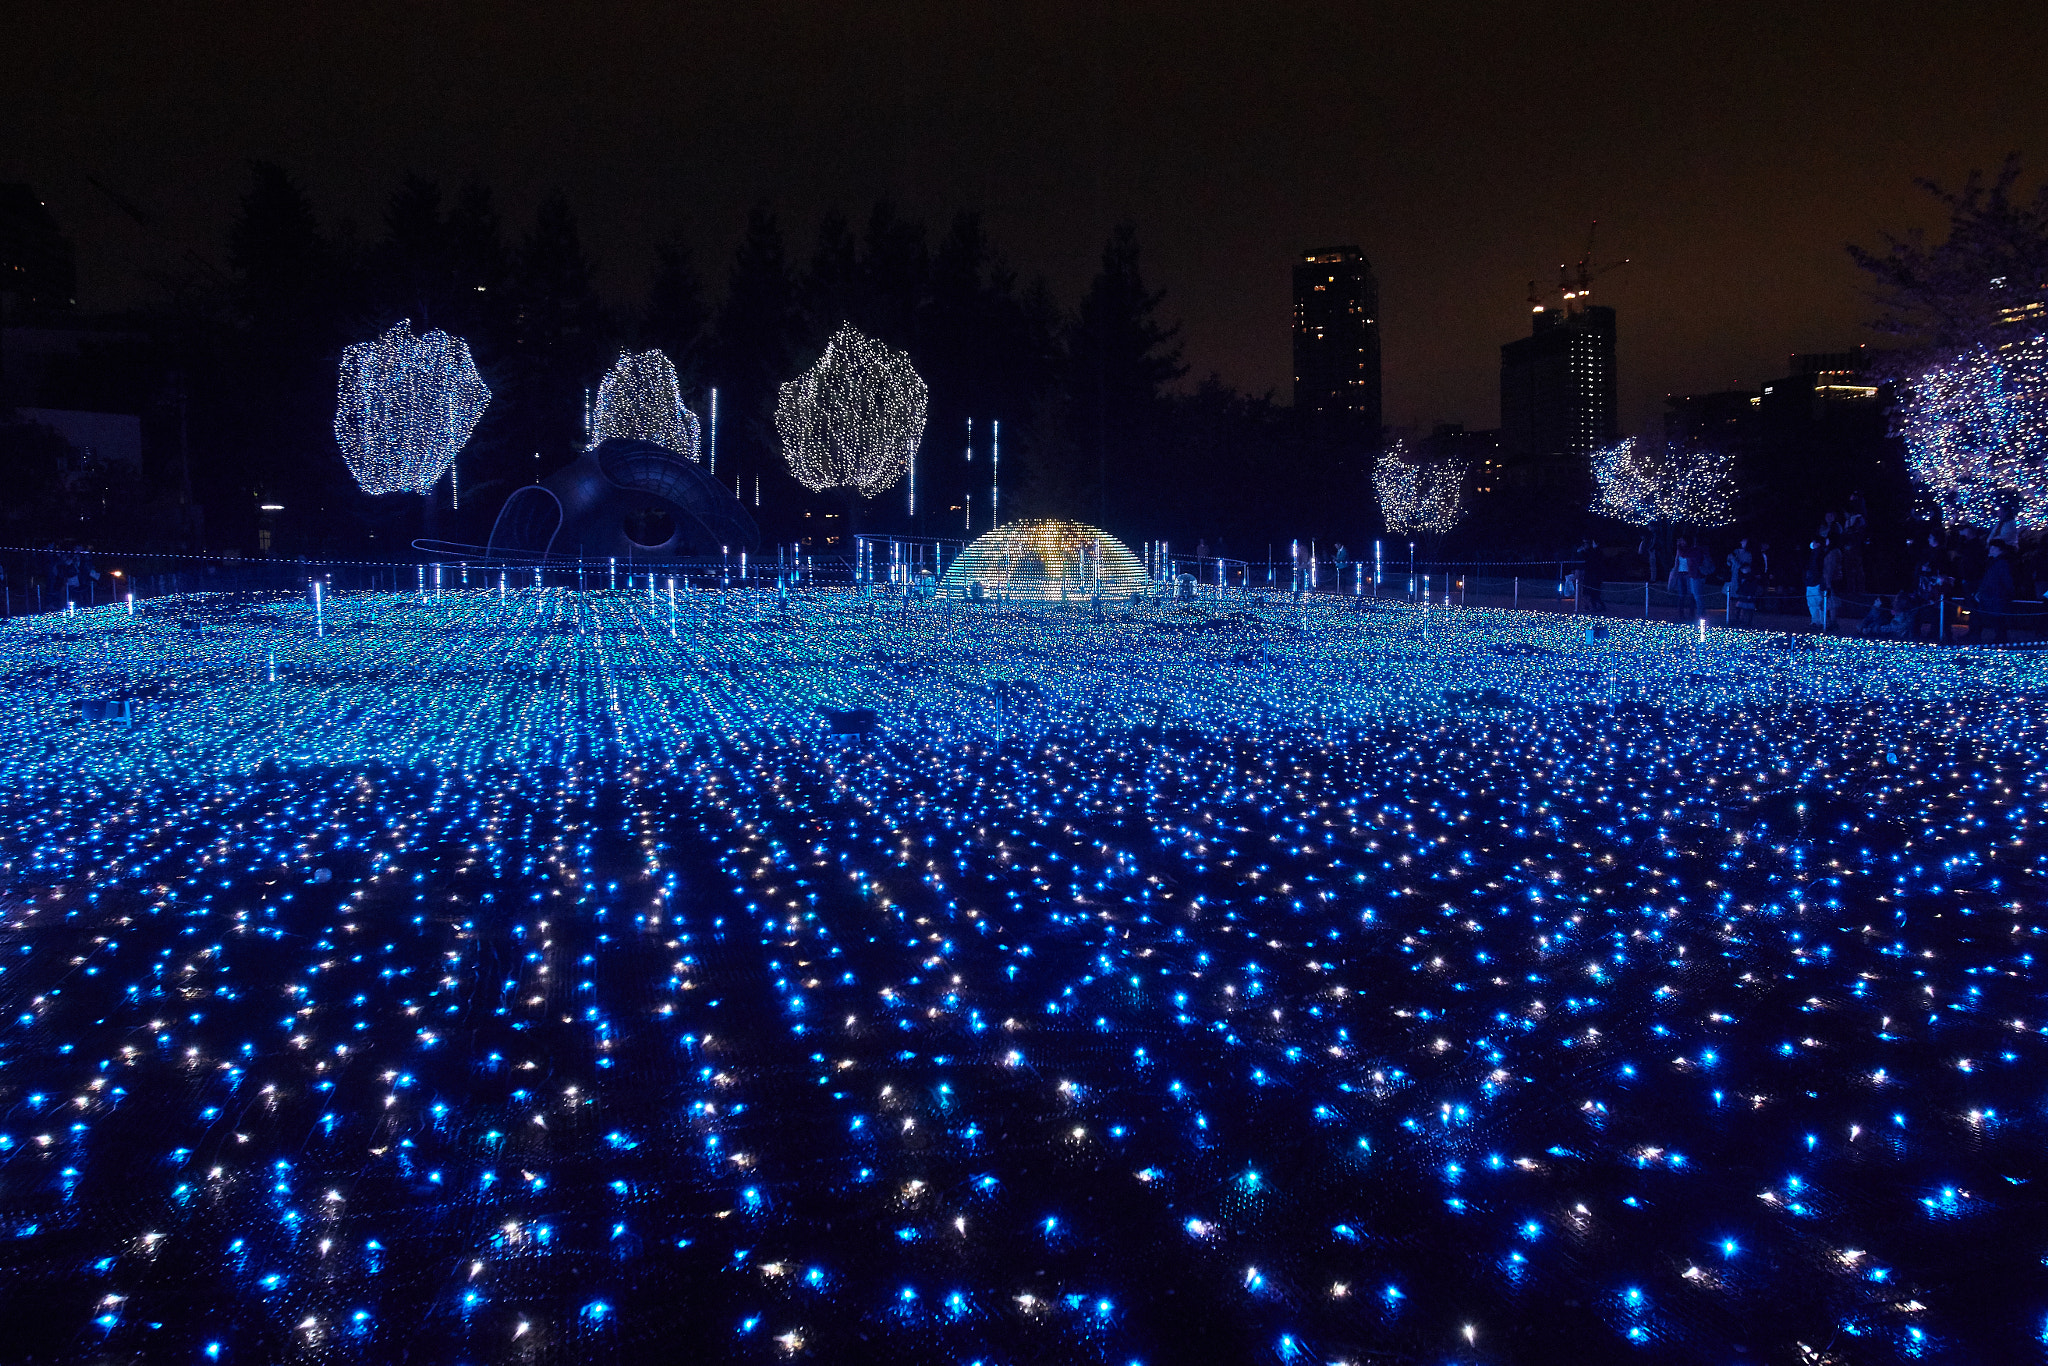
{"type": "Point", "coordinates": [1046, 560]}
{"type": "Point", "coordinates": [639, 399]}
{"type": "Point", "coordinates": [406, 408]}
{"type": "Point", "coordinates": [1976, 434]}
{"type": "Point", "coordinates": [1418, 495]}
{"type": "Point", "coordinates": [529, 974]}
{"type": "Point", "coordinates": [853, 420]}
{"type": "Point", "coordinates": [1670, 485]}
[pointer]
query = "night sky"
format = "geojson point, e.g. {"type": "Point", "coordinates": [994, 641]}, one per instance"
{"type": "Point", "coordinates": [1730, 150]}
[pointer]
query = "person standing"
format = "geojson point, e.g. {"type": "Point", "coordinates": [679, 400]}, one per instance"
{"type": "Point", "coordinates": [1831, 580]}
{"type": "Point", "coordinates": [1696, 572]}
{"type": "Point", "coordinates": [1930, 587]}
{"type": "Point", "coordinates": [1855, 535]}
{"type": "Point", "coordinates": [1592, 578]}
{"type": "Point", "coordinates": [1994, 598]}
{"type": "Point", "coordinates": [1816, 585]}
{"type": "Point", "coordinates": [1741, 566]}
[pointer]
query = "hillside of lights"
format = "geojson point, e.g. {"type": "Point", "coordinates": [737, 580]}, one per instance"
{"type": "Point", "coordinates": [530, 975]}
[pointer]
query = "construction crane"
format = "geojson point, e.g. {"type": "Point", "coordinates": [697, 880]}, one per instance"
{"type": "Point", "coordinates": [1575, 282]}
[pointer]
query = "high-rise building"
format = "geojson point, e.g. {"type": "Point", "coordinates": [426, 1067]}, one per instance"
{"type": "Point", "coordinates": [1557, 395]}
{"type": "Point", "coordinates": [1337, 342]}
{"type": "Point", "coordinates": [36, 269]}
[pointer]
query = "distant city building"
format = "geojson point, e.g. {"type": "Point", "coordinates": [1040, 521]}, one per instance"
{"type": "Point", "coordinates": [1557, 395]}
{"type": "Point", "coordinates": [1805, 444]}
{"type": "Point", "coordinates": [110, 440]}
{"type": "Point", "coordinates": [1337, 342]}
{"type": "Point", "coordinates": [37, 273]}
{"type": "Point", "coordinates": [1478, 451]}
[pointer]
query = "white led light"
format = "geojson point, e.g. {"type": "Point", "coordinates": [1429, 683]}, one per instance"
{"type": "Point", "coordinates": [854, 419]}
{"type": "Point", "coordinates": [406, 408]}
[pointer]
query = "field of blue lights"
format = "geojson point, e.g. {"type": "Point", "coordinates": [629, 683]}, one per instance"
{"type": "Point", "coordinates": [536, 978]}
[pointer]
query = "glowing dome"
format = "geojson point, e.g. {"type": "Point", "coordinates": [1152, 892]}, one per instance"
{"type": "Point", "coordinates": [1047, 561]}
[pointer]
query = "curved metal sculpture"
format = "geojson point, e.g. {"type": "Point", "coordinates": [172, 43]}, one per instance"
{"type": "Point", "coordinates": [630, 499]}
{"type": "Point", "coordinates": [406, 408]}
{"type": "Point", "coordinates": [1046, 561]}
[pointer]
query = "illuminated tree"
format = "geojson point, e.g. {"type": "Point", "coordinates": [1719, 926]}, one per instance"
{"type": "Point", "coordinates": [854, 420]}
{"type": "Point", "coordinates": [1418, 495]}
{"type": "Point", "coordinates": [1976, 433]}
{"type": "Point", "coordinates": [640, 400]}
{"type": "Point", "coordinates": [406, 408]}
{"type": "Point", "coordinates": [1664, 486]}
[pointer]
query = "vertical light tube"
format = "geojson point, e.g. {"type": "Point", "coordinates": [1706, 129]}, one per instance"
{"type": "Point", "coordinates": [714, 430]}
{"type": "Point", "coordinates": [995, 471]}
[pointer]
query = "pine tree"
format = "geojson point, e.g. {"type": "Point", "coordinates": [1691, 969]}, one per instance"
{"type": "Point", "coordinates": [1120, 359]}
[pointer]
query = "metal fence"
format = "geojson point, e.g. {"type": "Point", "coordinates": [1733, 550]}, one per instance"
{"type": "Point", "coordinates": [36, 580]}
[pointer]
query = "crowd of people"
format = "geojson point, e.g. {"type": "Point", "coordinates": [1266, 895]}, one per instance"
{"type": "Point", "coordinates": [1985, 578]}
{"type": "Point", "coordinates": [60, 575]}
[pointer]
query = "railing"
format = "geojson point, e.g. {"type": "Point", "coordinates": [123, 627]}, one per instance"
{"type": "Point", "coordinates": [35, 581]}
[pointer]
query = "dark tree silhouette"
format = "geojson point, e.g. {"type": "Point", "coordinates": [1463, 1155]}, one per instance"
{"type": "Point", "coordinates": [562, 338]}
{"type": "Point", "coordinates": [676, 316]}
{"type": "Point", "coordinates": [1985, 281]}
{"type": "Point", "coordinates": [1121, 358]}
{"type": "Point", "coordinates": [755, 341]}
{"type": "Point", "coordinates": [893, 266]}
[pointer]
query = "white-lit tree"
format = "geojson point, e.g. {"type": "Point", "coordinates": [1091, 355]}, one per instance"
{"type": "Point", "coordinates": [1976, 432]}
{"type": "Point", "coordinates": [1971, 312]}
{"type": "Point", "coordinates": [1418, 496]}
{"type": "Point", "coordinates": [1665, 486]}
{"type": "Point", "coordinates": [406, 408]}
{"type": "Point", "coordinates": [640, 400]}
{"type": "Point", "coordinates": [854, 420]}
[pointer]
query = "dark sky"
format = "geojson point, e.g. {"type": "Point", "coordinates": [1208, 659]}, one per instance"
{"type": "Point", "coordinates": [1729, 149]}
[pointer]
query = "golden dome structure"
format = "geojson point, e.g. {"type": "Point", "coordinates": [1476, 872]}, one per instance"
{"type": "Point", "coordinates": [1045, 561]}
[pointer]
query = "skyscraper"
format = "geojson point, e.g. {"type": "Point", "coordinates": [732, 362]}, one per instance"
{"type": "Point", "coordinates": [1557, 395]}
{"type": "Point", "coordinates": [1337, 343]}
